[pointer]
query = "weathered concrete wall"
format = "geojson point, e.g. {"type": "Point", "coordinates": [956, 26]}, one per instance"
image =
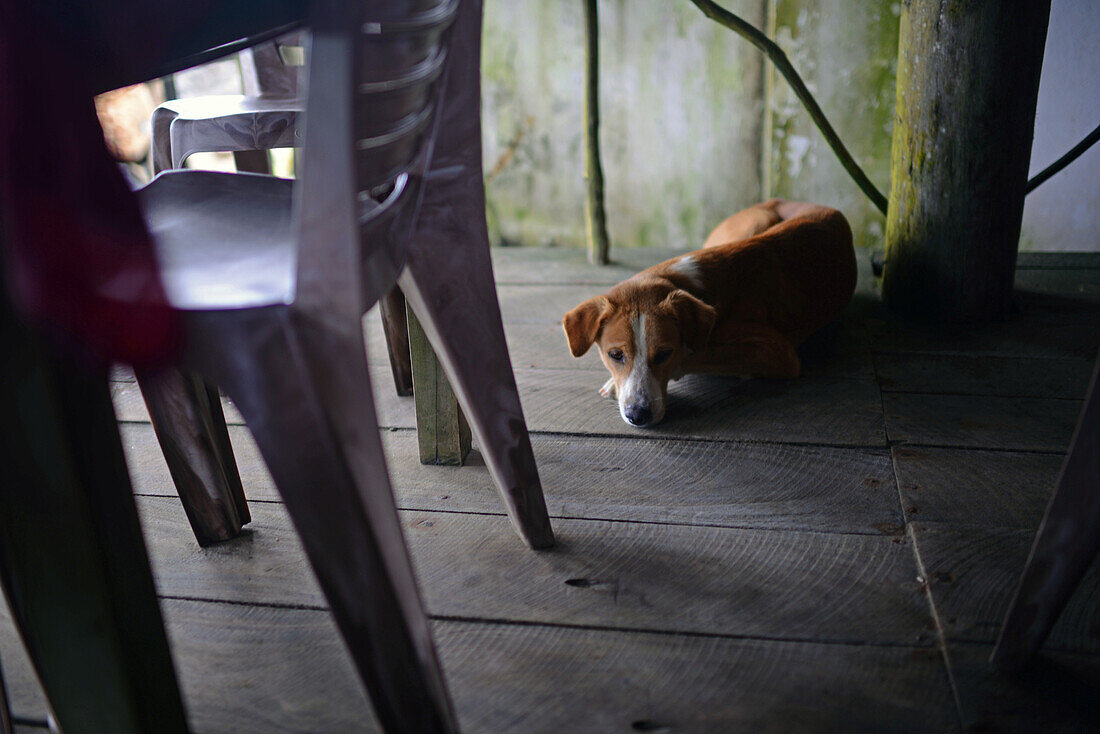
{"type": "Point", "coordinates": [681, 119]}
{"type": "Point", "coordinates": [848, 61]}
{"type": "Point", "coordinates": [1062, 214]}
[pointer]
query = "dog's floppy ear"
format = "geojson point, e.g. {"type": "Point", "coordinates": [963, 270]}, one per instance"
{"type": "Point", "coordinates": [583, 323]}
{"type": "Point", "coordinates": [694, 317]}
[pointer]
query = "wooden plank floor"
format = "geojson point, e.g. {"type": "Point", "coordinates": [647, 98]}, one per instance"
{"type": "Point", "coordinates": [829, 554]}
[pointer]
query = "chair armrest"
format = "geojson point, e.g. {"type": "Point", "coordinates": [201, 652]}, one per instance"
{"type": "Point", "coordinates": [230, 123]}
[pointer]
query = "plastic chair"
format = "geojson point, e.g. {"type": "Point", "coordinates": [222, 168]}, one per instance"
{"type": "Point", "coordinates": [236, 123]}
{"type": "Point", "coordinates": [272, 294]}
{"type": "Point", "coordinates": [184, 408]}
{"type": "Point", "coordinates": [272, 313]}
{"type": "Point", "coordinates": [5, 710]}
{"type": "Point", "coordinates": [269, 289]}
{"type": "Point", "coordinates": [450, 273]}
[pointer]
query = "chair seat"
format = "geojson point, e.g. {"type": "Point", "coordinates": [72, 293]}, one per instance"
{"type": "Point", "coordinates": [223, 241]}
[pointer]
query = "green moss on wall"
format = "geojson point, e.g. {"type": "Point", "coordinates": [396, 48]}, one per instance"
{"type": "Point", "coordinates": [681, 112]}
{"type": "Point", "coordinates": [688, 136]}
{"type": "Point", "coordinates": [848, 61]}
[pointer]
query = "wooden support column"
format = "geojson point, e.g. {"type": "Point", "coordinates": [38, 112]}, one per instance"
{"type": "Point", "coordinates": [968, 81]}
{"type": "Point", "coordinates": [441, 429]}
{"type": "Point", "coordinates": [599, 244]}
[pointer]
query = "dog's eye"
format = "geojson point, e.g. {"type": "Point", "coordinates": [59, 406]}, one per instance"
{"type": "Point", "coordinates": [662, 356]}
{"type": "Point", "coordinates": [616, 355]}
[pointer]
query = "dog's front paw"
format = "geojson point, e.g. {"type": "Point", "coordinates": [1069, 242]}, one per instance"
{"type": "Point", "coordinates": [608, 389]}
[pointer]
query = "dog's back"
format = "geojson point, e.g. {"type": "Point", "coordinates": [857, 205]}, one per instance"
{"type": "Point", "coordinates": [799, 264]}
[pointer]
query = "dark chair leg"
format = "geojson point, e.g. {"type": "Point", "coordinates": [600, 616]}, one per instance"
{"type": "Point", "coordinates": [72, 561]}
{"type": "Point", "coordinates": [308, 402]}
{"type": "Point", "coordinates": [5, 708]}
{"type": "Point", "coordinates": [219, 431]}
{"type": "Point", "coordinates": [1066, 544]}
{"type": "Point", "coordinates": [448, 282]}
{"type": "Point", "coordinates": [252, 161]}
{"type": "Point", "coordinates": [187, 416]}
{"type": "Point", "coordinates": [396, 327]}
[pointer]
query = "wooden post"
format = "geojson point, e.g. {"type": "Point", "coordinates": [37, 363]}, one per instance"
{"type": "Point", "coordinates": [441, 429]}
{"type": "Point", "coordinates": [396, 326]}
{"type": "Point", "coordinates": [599, 246]}
{"type": "Point", "coordinates": [968, 81]}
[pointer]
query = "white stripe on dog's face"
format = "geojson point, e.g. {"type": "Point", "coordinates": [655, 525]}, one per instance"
{"type": "Point", "coordinates": [640, 399]}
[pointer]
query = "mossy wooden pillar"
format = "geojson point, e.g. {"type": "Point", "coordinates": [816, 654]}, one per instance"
{"type": "Point", "coordinates": [968, 81]}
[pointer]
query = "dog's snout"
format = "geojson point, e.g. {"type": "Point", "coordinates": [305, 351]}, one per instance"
{"type": "Point", "coordinates": [638, 415]}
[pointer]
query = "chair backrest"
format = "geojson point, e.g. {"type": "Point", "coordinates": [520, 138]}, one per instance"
{"type": "Point", "coordinates": [272, 69]}
{"type": "Point", "coordinates": [373, 96]}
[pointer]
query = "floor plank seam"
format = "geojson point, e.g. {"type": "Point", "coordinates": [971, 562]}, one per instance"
{"type": "Point", "coordinates": [1046, 648]}
{"type": "Point", "coordinates": [564, 625]}
{"type": "Point", "coordinates": [679, 633]}
{"type": "Point", "coordinates": [941, 635]}
{"type": "Point", "coordinates": [891, 391]}
{"type": "Point", "coordinates": [885, 424]}
{"type": "Point", "coordinates": [717, 441]}
{"type": "Point", "coordinates": [240, 603]}
{"type": "Point", "coordinates": [903, 443]}
{"type": "Point", "coordinates": [659, 437]}
{"type": "Point", "coordinates": [502, 621]}
{"type": "Point", "coordinates": [965, 353]}
{"type": "Point", "coordinates": [921, 573]}
{"type": "Point", "coordinates": [592, 518]}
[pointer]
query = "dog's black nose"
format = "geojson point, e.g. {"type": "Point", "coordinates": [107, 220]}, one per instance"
{"type": "Point", "coordinates": [637, 415]}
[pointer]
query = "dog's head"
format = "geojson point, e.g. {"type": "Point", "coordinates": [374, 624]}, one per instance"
{"type": "Point", "coordinates": [643, 331]}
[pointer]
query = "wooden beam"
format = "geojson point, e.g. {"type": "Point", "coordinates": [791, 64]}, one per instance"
{"type": "Point", "coordinates": [599, 245]}
{"type": "Point", "coordinates": [968, 81]}
{"type": "Point", "coordinates": [441, 428]}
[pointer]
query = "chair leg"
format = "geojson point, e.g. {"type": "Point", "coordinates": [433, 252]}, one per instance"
{"type": "Point", "coordinates": [306, 396]}
{"type": "Point", "coordinates": [187, 416]}
{"type": "Point", "coordinates": [468, 337]}
{"type": "Point", "coordinates": [219, 431]}
{"type": "Point", "coordinates": [72, 561]}
{"type": "Point", "coordinates": [5, 708]}
{"type": "Point", "coordinates": [448, 282]}
{"type": "Point", "coordinates": [1066, 544]}
{"type": "Point", "coordinates": [252, 161]}
{"type": "Point", "coordinates": [396, 327]}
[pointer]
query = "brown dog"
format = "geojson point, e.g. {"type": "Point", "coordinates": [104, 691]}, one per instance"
{"type": "Point", "coordinates": [766, 278]}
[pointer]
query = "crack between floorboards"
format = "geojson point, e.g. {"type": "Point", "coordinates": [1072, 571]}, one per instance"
{"type": "Point", "coordinates": [866, 447]}
{"type": "Point", "coordinates": [941, 635]}
{"type": "Point", "coordinates": [1003, 396]}
{"type": "Point", "coordinates": [563, 625]}
{"type": "Point", "coordinates": [910, 533]}
{"type": "Point", "coordinates": [975, 354]}
{"type": "Point", "coordinates": [586, 518]}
